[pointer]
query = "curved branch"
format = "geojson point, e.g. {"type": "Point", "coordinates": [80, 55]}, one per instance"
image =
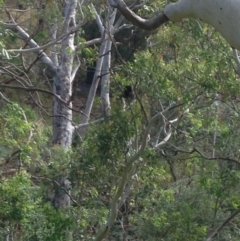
{"type": "Point", "coordinates": [147, 24]}
{"type": "Point", "coordinates": [32, 89]}
{"type": "Point", "coordinates": [4, 98]}
{"type": "Point", "coordinates": [221, 15]}
{"type": "Point", "coordinates": [128, 172]}
{"type": "Point", "coordinates": [222, 225]}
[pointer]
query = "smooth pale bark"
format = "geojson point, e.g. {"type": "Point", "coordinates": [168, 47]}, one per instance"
{"type": "Point", "coordinates": [103, 66]}
{"type": "Point", "coordinates": [32, 44]}
{"type": "Point", "coordinates": [105, 80]}
{"type": "Point", "coordinates": [61, 68]}
{"type": "Point", "coordinates": [102, 70]}
{"type": "Point", "coordinates": [223, 15]}
{"type": "Point", "coordinates": [92, 93]}
{"type": "Point", "coordinates": [148, 24]}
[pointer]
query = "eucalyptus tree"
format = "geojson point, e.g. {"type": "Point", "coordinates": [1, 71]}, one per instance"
{"type": "Point", "coordinates": [223, 15]}
{"type": "Point", "coordinates": [60, 63]}
{"type": "Point", "coordinates": [62, 59]}
{"type": "Point", "coordinates": [63, 63]}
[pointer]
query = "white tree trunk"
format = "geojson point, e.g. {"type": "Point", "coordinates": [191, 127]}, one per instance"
{"type": "Point", "coordinates": [62, 86]}
{"type": "Point", "coordinates": [62, 119]}
{"type": "Point", "coordinates": [102, 70]}
{"type": "Point", "coordinates": [223, 15]}
{"type": "Point", "coordinates": [105, 80]}
{"type": "Point", "coordinates": [93, 90]}
{"type": "Point", "coordinates": [62, 110]}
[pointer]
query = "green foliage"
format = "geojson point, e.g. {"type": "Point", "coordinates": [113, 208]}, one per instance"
{"type": "Point", "coordinates": [182, 191]}
{"type": "Point", "coordinates": [6, 36]}
{"type": "Point", "coordinates": [40, 36]}
{"type": "Point", "coordinates": [22, 205]}
{"type": "Point", "coordinates": [15, 130]}
{"type": "Point", "coordinates": [108, 142]}
{"type": "Point", "coordinates": [15, 202]}
{"type": "Point", "coordinates": [22, 197]}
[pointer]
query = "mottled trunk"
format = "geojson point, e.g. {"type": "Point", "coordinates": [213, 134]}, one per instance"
{"type": "Point", "coordinates": [61, 67]}
{"type": "Point", "coordinates": [62, 109]}
{"type": "Point", "coordinates": [62, 120]}
{"type": "Point", "coordinates": [62, 85]}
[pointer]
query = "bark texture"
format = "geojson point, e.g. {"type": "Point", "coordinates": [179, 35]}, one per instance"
{"type": "Point", "coordinates": [62, 86]}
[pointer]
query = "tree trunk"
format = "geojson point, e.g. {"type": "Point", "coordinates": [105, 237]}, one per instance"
{"type": "Point", "coordinates": [221, 14]}
{"type": "Point", "coordinates": [62, 120]}
{"type": "Point", "coordinates": [105, 80]}
{"type": "Point", "coordinates": [93, 89]}
{"type": "Point", "coordinates": [62, 110]}
{"type": "Point", "coordinates": [102, 70]}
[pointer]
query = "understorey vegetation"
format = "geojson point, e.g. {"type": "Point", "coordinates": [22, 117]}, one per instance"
{"type": "Point", "coordinates": [113, 132]}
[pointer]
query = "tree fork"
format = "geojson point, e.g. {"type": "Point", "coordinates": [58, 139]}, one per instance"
{"type": "Point", "coordinates": [223, 15]}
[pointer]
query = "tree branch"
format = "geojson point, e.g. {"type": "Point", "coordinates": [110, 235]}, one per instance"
{"type": "Point", "coordinates": [32, 89]}
{"type": "Point", "coordinates": [88, 123]}
{"type": "Point", "coordinates": [90, 43]}
{"type": "Point", "coordinates": [4, 98]}
{"type": "Point", "coordinates": [128, 172]}
{"type": "Point", "coordinates": [237, 60]}
{"type": "Point", "coordinates": [25, 36]}
{"type": "Point", "coordinates": [147, 24]}
{"type": "Point", "coordinates": [222, 225]}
